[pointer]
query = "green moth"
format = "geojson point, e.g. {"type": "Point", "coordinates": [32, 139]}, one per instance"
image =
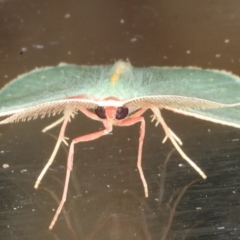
{"type": "Point", "coordinates": [118, 95]}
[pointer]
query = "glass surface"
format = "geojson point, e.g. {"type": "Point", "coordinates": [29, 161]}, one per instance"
{"type": "Point", "coordinates": [106, 198]}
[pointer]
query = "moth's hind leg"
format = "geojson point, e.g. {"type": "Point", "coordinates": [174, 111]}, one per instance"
{"type": "Point", "coordinates": [175, 140]}
{"type": "Point", "coordinates": [54, 124]}
{"type": "Point", "coordinates": [155, 118]}
{"type": "Point", "coordinates": [61, 138]}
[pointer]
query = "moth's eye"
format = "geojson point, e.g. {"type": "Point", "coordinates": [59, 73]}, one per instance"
{"type": "Point", "coordinates": [100, 112]}
{"type": "Point", "coordinates": [122, 112]}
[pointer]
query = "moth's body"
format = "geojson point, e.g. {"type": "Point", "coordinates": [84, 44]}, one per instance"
{"type": "Point", "coordinates": [118, 95]}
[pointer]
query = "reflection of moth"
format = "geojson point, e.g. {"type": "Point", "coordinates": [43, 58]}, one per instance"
{"type": "Point", "coordinates": [118, 95]}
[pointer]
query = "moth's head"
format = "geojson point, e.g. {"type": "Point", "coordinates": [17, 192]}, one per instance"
{"type": "Point", "coordinates": [111, 114]}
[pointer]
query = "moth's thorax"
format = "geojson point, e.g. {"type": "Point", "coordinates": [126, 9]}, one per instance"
{"type": "Point", "coordinates": [118, 70]}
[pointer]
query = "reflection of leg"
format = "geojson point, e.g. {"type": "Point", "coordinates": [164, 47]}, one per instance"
{"type": "Point", "coordinates": [173, 208]}
{"type": "Point", "coordinates": [85, 138]}
{"type": "Point", "coordinates": [163, 170]}
{"type": "Point", "coordinates": [174, 139]}
{"type": "Point", "coordinates": [61, 138]}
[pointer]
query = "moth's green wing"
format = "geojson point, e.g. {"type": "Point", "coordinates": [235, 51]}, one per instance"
{"type": "Point", "coordinates": [213, 85]}
{"type": "Point", "coordinates": [49, 84]}
{"type": "Point", "coordinates": [225, 116]}
{"type": "Point", "coordinates": [125, 83]}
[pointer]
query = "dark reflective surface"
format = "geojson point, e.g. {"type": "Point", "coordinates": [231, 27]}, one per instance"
{"type": "Point", "coordinates": [106, 198]}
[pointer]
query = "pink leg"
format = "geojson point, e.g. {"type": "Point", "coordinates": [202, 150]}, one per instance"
{"type": "Point", "coordinates": [85, 138]}
{"type": "Point", "coordinates": [130, 121]}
